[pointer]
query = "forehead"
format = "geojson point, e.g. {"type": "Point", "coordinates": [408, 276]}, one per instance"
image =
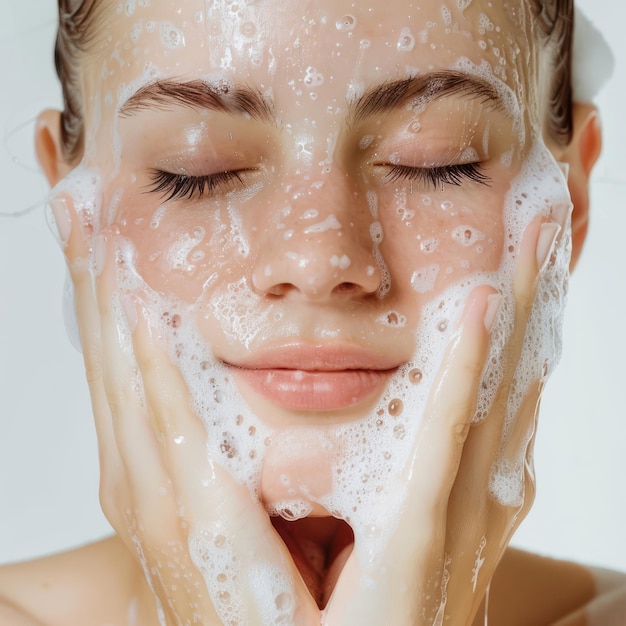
{"type": "Point", "coordinates": [309, 48]}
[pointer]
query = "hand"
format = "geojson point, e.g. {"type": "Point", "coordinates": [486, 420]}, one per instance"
{"type": "Point", "coordinates": [159, 490]}
{"type": "Point", "coordinates": [468, 485]}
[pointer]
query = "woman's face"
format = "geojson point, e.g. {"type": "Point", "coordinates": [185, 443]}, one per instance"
{"type": "Point", "coordinates": [303, 195]}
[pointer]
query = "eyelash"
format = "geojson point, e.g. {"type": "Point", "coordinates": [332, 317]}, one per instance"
{"type": "Point", "coordinates": [438, 177]}
{"type": "Point", "coordinates": [180, 186]}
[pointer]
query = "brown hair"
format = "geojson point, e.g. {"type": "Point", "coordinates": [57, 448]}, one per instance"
{"type": "Point", "coordinates": [78, 22]}
{"type": "Point", "coordinates": [555, 19]}
{"type": "Point", "coordinates": [75, 34]}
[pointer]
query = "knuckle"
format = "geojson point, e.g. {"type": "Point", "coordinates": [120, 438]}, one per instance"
{"type": "Point", "coordinates": [460, 431]}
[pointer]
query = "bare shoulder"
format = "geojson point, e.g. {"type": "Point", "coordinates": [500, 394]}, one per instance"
{"type": "Point", "coordinates": [529, 589]}
{"type": "Point", "coordinates": [10, 615]}
{"type": "Point", "coordinates": [65, 589]}
{"type": "Point", "coordinates": [607, 607]}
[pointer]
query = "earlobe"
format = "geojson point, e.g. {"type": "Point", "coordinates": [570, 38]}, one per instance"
{"type": "Point", "coordinates": [581, 154]}
{"type": "Point", "coordinates": [587, 135]}
{"type": "Point", "coordinates": [49, 147]}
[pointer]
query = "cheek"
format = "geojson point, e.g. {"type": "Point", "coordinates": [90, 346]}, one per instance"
{"type": "Point", "coordinates": [180, 253]}
{"type": "Point", "coordinates": [435, 239]}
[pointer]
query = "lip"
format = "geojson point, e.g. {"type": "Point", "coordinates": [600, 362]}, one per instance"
{"type": "Point", "coordinates": [315, 378]}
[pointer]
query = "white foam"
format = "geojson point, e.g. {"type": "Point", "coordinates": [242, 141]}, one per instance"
{"type": "Point", "coordinates": [406, 40]}
{"type": "Point", "coordinates": [313, 78]}
{"type": "Point", "coordinates": [291, 509]}
{"type": "Point", "coordinates": [346, 23]}
{"type": "Point", "coordinates": [330, 223]}
{"type": "Point", "coordinates": [466, 235]}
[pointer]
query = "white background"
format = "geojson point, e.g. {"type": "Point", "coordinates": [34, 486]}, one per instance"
{"type": "Point", "coordinates": [48, 457]}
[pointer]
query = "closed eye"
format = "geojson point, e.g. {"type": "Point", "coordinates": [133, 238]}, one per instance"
{"type": "Point", "coordinates": [184, 187]}
{"type": "Point", "coordinates": [438, 177]}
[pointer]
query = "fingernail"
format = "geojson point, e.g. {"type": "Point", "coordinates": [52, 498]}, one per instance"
{"type": "Point", "coordinates": [62, 219]}
{"type": "Point", "coordinates": [564, 167]}
{"type": "Point", "coordinates": [548, 233]}
{"type": "Point", "coordinates": [491, 313]}
{"type": "Point", "coordinates": [560, 213]}
{"type": "Point", "coordinates": [99, 253]}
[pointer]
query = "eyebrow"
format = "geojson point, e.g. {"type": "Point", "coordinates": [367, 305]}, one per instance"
{"type": "Point", "coordinates": [377, 101]}
{"type": "Point", "coordinates": [197, 94]}
{"type": "Point", "coordinates": [422, 89]}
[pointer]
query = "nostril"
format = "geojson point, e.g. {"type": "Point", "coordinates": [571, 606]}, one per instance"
{"type": "Point", "coordinates": [346, 288]}
{"type": "Point", "coordinates": [278, 290]}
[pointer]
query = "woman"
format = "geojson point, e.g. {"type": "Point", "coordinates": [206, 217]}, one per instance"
{"type": "Point", "coordinates": [319, 256]}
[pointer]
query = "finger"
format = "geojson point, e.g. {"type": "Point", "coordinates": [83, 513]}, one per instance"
{"type": "Point", "coordinates": [523, 428]}
{"type": "Point", "coordinates": [513, 413]}
{"type": "Point", "coordinates": [77, 250]}
{"type": "Point", "coordinates": [135, 440]}
{"type": "Point", "coordinates": [477, 542]}
{"type": "Point", "coordinates": [452, 402]}
{"type": "Point", "coordinates": [535, 247]}
{"type": "Point", "coordinates": [77, 245]}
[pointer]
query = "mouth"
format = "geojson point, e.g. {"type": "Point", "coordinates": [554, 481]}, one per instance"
{"type": "Point", "coordinates": [315, 378]}
{"type": "Point", "coordinates": [319, 547]}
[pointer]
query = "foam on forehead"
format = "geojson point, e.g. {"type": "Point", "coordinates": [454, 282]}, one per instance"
{"type": "Point", "coordinates": [252, 40]}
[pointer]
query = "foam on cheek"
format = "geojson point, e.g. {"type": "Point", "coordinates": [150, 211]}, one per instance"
{"type": "Point", "coordinates": [236, 227]}
{"type": "Point", "coordinates": [467, 236]}
{"type": "Point", "coordinates": [235, 309]}
{"type": "Point", "coordinates": [377, 235]}
{"type": "Point", "coordinates": [181, 254]}
{"type": "Point", "coordinates": [82, 187]}
{"type": "Point", "coordinates": [158, 217]}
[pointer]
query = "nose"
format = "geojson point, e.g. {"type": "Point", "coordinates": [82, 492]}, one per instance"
{"type": "Point", "coordinates": [318, 254]}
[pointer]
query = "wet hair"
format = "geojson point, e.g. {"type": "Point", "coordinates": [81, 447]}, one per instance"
{"type": "Point", "coordinates": [79, 22]}
{"type": "Point", "coordinates": [555, 19]}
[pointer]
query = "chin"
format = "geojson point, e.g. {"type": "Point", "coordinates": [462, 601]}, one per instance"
{"type": "Point", "coordinates": [297, 472]}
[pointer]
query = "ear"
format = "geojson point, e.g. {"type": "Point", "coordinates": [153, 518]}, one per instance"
{"type": "Point", "coordinates": [581, 154]}
{"type": "Point", "coordinates": [49, 147]}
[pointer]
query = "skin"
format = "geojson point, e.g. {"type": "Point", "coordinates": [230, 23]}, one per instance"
{"type": "Point", "coordinates": [159, 487]}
